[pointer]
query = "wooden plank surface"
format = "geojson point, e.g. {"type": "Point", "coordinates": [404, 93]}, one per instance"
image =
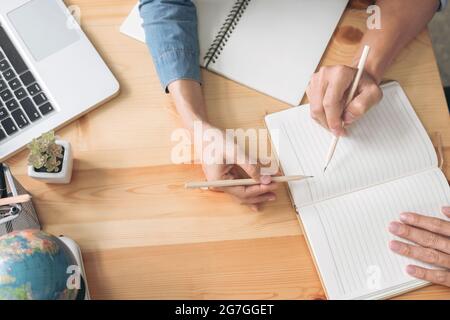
{"type": "Point", "coordinates": [142, 235]}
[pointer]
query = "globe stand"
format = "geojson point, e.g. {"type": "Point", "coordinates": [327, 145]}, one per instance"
{"type": "Point", "coordinates": [83, 293]}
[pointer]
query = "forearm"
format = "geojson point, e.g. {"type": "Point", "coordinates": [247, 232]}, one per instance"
{"type": "Point", "coordinates": [171, 33]}
{"type": "Point", "coordinates": [189, 102]}
{"type": "Point", "coordinates": [401, 22]}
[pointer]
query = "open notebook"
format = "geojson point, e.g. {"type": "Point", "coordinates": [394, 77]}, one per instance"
{"type": "Point", "coordinates": [270, 46]}
{"type": "Point", "coordinates": [386, 165]}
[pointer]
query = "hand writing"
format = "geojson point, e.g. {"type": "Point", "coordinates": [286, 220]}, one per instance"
{"type": "Point", "coordinates": [328, 91]}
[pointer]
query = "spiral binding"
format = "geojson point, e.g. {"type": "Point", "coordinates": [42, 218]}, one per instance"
{"type": "Point", "coordinates": [225, 31]}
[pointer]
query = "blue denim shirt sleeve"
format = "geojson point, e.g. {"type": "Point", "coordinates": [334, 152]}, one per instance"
{"type": "Point", "coordinates": [172, 37]}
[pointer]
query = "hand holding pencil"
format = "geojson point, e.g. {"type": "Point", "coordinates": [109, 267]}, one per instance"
{"type": "Point", "coordinates": [249, 187]}
{"type": "Point", "coordinates": [241, 177]}
{"type": "Point", "coordinates": [241, 182]}
{"type": "Point", "coordinates": [350, 96]}
{"type": "Point", "coordinates": [333, 105]}
{"type": "Point", "coordinates": [253, 196]}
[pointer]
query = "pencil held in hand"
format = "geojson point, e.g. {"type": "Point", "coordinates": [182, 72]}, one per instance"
{"type": "Point", "coordinates": [359, 73]}
{"type": "Point", "coordinates": [240, 182]}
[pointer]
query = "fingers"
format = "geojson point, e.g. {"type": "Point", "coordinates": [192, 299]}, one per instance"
{"type": "Point", "coordinates": [333, 105]}
{"type": "Point", "coordinates": [244, 192]}
{"type": "Point", "coordinates": [441, 277]}
{"type": "Point", "coordinates": [267, 197]}
{"type": "Point", "coordinates": [316, 92]}
{"type": "Point", "coordinates": [426, 255]}
{"type": "Point", "coordinates": [434, 225]}
{"type": "Point", "coordinates": [254, 191]}
{"type": "Point", "coordinates": [326, 96]}
{"type": "Point", "coordinates": [446, 211]}
{"type": "Point", "coordinates": [249, 195]}
{"type": "Point", "coordinates": [253, 169]}
{"type": "Point", "coordinates": [253, 194]}
{"type": "Point", "coordinates": [433, 244]}
{"type": "Point", "coordinates": [421, 237]}
{"type": "Point", "coordinates": [369, 95]}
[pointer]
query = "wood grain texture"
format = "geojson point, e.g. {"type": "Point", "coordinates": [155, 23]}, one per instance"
{"type": "Point", "coordinates": [142, 234]}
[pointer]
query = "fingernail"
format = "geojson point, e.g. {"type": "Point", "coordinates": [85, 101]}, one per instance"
{"type": "Point", "coordinates": [411, 270]}
{"type": "Point", "coordinates": [394, 227]}
{"type": "Point", "coordinates": [395, 246]}
{"type": "Point", "coordinates": [349, 117]}
{"type": "Point", "coordinates": [405, 217]}
{"type": "Point", "coordinates": [266, 179]}
{"type": "Point", "coordinates": [446, 210]}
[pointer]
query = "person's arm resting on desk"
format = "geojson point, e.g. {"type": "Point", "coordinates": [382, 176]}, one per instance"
{"type": "Point", "coordinates": [171, 34]}
{"type": "Point", "coordinates": [401, 21]}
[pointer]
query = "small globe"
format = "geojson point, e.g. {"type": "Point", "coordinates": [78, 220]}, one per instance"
{"type": "Point", "coordinates": [35, 265]}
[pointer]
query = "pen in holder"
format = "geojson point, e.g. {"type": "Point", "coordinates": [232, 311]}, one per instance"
{"type": "Point", "coordinates": [17, 216]}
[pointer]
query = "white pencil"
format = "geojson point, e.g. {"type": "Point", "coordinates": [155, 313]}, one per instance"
{"type": "Point", "coordinates": [361, 65]}
{"type": "Point", "coordinates": [240, 182]}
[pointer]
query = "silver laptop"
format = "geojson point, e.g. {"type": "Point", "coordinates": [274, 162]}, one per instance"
{"type": "Point", "coordinates": [50, 73]}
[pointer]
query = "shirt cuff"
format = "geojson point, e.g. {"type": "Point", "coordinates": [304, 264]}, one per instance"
{"type": "Point", "coordinates": [175, 64]}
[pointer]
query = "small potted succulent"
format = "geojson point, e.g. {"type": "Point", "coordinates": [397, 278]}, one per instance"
{"type": "Point", "coordinates": [50, 159]}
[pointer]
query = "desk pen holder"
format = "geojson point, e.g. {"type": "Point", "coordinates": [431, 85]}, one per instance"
{"type": "Point", "coordinates": [16, 217]}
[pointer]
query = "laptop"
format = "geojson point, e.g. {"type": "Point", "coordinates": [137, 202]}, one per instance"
{"type": "Point", "coordinates": [50, 73]}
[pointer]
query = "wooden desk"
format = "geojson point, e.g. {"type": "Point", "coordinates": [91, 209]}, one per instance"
{"type": "Point", "coordinates": [144, 238]}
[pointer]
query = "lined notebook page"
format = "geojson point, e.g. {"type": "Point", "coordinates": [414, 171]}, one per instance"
{"type": "Point", "coordinates": [387, 143]}
{"type": "Point", "coordinates": [349, 235]}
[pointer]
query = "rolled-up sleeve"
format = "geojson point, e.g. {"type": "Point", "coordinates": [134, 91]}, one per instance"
{"type": "Point", "coordinates": [172, 37]}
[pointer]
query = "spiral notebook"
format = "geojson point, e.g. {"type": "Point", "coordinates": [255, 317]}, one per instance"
{"type": "Point", "coordinates": [270, 46]}
{"type": "Point", "coordinates": [385, 166]}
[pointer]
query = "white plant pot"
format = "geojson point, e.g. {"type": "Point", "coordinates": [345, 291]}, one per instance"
{"type": "Point", "coordinates": [62, 177]}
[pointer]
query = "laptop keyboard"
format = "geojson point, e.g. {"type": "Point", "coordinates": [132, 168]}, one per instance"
{"type": "Point", "coordinates": [22, 100]}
